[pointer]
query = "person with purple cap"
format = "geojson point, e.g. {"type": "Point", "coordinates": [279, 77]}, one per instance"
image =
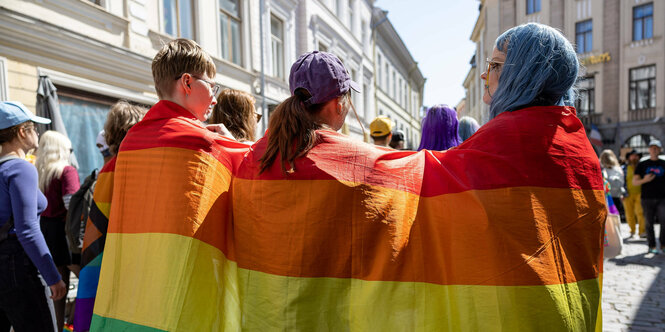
{"type": "Point", "coordinates": [23, 251]}
{"type": "Point", "coordinates": [320, 100]}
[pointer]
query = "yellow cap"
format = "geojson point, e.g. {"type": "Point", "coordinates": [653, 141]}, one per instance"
{"type": "Point", "coordinates": [381, 126]}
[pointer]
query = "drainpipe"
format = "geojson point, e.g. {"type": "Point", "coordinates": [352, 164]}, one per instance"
{"type": "Point", "coordinates": [264, 104]}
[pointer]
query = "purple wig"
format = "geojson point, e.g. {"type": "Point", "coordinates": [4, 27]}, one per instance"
{"type": "Point", "coordinates": [439, 129]}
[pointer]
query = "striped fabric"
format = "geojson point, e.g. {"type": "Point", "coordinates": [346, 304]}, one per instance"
{"type": "Point", "coordinates": [93, 247]}
{"type": "Point", "coordinates": [502, 233]}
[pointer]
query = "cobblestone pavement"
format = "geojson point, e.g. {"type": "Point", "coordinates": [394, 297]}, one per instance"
{"type": "Point", "coordinates": [634, 288]}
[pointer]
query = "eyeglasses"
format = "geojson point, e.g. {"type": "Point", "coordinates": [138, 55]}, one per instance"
{"type": "Point", "coordinates": [493, 65]}
{"type": "Point", "coordinates": [216, 88]}
{"type": "Point", "coordinates": [258, 116]}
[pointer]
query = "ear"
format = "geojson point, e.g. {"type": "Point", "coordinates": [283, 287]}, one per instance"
{"type": "Point", "coordinates": [185, 82]}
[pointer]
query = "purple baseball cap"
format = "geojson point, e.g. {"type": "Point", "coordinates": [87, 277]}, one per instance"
{"type": "Point", "coordinates": [323, 75]}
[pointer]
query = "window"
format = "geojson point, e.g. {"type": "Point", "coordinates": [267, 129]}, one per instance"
{"type": "Point", "coordinates": [643, 22]}
{"type": "Point", "coordinates": [323, 47]}
{"type": "Point", "coordinates": [378, 72]}
{"type": "Point", "coordinates": [387, 85]}
{"type": "Point", "coordinates": [229, 22]}
{"type": "Point", "coordinates": [584, 36]}
{"type": "Point", "coordinates": [394, 90]}
{"type": "Point", "coordinates": [642, 93]}
{"type": "Point", "coordinates": [178, 19]}
{"type": "Point", "coordinates": [349, 15]}
{"type": "Point", "coordinates": [365, 110]}
{"type": "Point", "coordinates": [363, 33]}
{"type": "Point", "coordinates": [532, 6]}
{"type": "Point", "coordinates": [277, 44]}
{"type": "Point", "coordinates": [585, 104]}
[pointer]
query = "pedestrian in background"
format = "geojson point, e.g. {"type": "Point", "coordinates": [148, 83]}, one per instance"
{"type": "Point", "coordinates": [120, 119]}
{"type": "Point", "coordinates": [613, 173]}
{"type": "Point", "coordinates": [235, 110]}
{"type": "Point", "coordinates": [23, 251]}
{"type": "Point", "coordinates": [467, 127]}
{"type": "Point", "coordinates": [381, 130]}
{"type": "Point", "coordinates": [397, 141]}
{"type": "Point", "coordinates": [58, 180]}
{"type": "Point", "coordinates": [439, 129]}
{"type": "Point", "coordinates": [632, 202]}
{"type": "Point", "coordinates": [650, 174]}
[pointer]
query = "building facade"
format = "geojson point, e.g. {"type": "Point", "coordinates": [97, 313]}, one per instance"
{"type": "Point", "coordinates": [620, 46]}
{"type": "Point", "coordinates": [97, 52]}
{"type": "Point", "coordinates": [398, 81]}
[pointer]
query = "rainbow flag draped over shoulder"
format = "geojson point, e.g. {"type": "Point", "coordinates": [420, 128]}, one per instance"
{"type": "Point", "coordinates": [165, 264]}
{"type": "Point", "coordinates": [93, 247]}
{"type": "Point", "coordinates": [502, 233]}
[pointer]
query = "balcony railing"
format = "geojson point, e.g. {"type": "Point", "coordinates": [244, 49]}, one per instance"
{"type": "Point", "coordinates": [641, 115]}
{"type": "Point", "coordinates": [589, 118]}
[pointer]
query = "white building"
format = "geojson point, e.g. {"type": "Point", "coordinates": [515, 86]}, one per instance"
{"type": "Point", "coordinates": [399, 82]}
{"type": "Point", "coordinates": [99, 51]}
{"type": "Point", "coordinates": [342, 27]}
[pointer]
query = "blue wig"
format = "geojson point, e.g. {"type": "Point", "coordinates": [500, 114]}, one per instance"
{"type": "Point", "coordinates": [439, 129]}
{"type": "Point", "coordinates": [540, 69]}
{"type": "Point", "coordinates": [467, 127]}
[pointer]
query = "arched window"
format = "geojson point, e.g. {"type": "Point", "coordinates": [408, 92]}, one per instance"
{"type": "Point", "coordinates": [639, 142]}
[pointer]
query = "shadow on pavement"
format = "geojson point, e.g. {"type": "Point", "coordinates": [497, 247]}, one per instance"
{"type": "Point", "coordinates": [650, 316]}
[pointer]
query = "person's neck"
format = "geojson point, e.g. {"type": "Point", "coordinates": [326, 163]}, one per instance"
{"type": "Point", "coordinates": [12, 149]}
{"type": "Point", "coordinates": [654, 158]}
{"type": "Point", "coordinates": [381, 143]}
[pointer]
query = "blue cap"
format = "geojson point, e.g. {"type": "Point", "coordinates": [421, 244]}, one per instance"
{"type": "Point", "coordinates": [323, 75]}
{"type": "Point", "coordinates": [13, 113]}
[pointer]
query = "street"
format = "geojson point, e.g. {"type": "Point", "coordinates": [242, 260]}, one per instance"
{"type": "Point", "coordinates": [634, 288]}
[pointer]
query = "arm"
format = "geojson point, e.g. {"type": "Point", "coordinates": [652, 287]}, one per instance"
{"type": "Point", "coordinates": [24, 195]}
{"type": "Point", "coordinates": [638, 180]}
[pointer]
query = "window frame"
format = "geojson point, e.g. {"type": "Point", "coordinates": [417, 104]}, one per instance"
{"type": "Point", "coordinates": [590, 93]}
{"type": "Point", "coordinates": [633, 91]}
{"type": "Point", "coordinates": [279, 62]}
{"type": "Point", "coordinates": [178, 19]}
{"type": "Point", "coordinates": [585, 34]}
{"type": "Point", "coordinates": [643, 20]}
{"type": "Point", "coordinates": [238, 19]}
{"type": "Point", "coordinates": [533, 6]}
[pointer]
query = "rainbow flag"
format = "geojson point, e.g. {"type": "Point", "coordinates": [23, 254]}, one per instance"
{"type": "Point", "coordinates": [93, 247]}
{"type": "Point", "coordinates": [502, 233]}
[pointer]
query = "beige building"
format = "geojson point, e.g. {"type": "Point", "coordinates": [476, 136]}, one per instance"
{"type": "Point", "coordinates": [621, 47]}
{"type": "Point", "coordinates": [96, 52]}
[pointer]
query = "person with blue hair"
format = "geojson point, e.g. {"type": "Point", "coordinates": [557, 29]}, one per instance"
{"type": "Point", "coordinates": [467, 127]}
{"type": "Point", "coordinates": [531, 65]}
{"type": "Point", "coordinates": [439, 129]}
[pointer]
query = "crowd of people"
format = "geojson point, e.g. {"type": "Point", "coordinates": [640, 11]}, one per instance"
{"type": "Point", "coordinates": [637, 190]}
{"type": "Point", "coordinates": [196, 224]}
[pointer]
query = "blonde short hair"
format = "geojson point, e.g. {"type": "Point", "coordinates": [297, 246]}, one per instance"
{"type": "Point", "coordinates": [121, 117]}
{"type": "Point", "coordinates": [178, 57]}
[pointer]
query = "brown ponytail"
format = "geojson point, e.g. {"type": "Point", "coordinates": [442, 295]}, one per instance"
{"type": "Point", "coordinates": [291, 131]}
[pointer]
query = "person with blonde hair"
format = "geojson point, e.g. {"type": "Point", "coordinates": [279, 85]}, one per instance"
{"type": "Point", "coordinates": [235, 110]}
{"type": "Point", "coordinates": [613, 173]}
{"type": "Point", "coordinates": [24, 254]}
{"type": "Point", "coordinates": [58, 180]}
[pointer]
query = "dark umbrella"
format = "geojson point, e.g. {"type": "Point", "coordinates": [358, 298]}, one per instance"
{"type": "Point", "coordinates": [49, 107]}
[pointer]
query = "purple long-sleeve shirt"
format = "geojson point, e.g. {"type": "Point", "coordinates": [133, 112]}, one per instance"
{"type": "Point", "coordinates": [20, 197]}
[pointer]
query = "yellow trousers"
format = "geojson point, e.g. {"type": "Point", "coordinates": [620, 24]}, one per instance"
{"type": "Point", "coordinates": [634, 210]}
